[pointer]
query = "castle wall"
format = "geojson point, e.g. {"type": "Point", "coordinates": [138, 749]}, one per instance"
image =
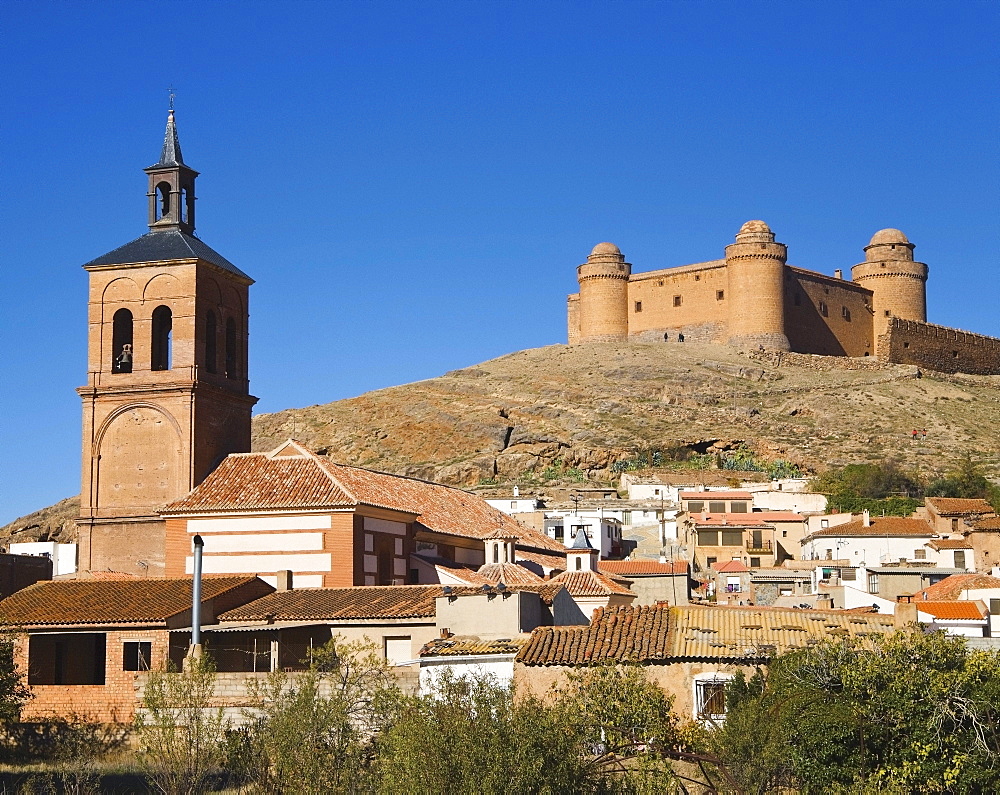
{"type": "Point", "coordinates": [939, 348]}
{"type": "Point", "coordinates": [702, 290]}
{"type": "Point", "coordinates": [573, 318]}
{"type": "Point", "coordinates": [827, 316]}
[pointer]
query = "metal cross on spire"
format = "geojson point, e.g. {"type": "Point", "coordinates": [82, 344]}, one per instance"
{"type": "Point", "coordinates": [171, 92]}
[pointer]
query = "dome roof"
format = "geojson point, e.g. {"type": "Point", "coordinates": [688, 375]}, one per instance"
{"type": "Point", "coordinates": [606, 248]}
{"type": "Point", "coordinates": [886, 236]}
{"type": "Point", "coordinates": [754, 226]}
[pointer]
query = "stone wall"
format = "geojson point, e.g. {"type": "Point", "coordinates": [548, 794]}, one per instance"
{"type": "Point", "coordinates": [939, 348]}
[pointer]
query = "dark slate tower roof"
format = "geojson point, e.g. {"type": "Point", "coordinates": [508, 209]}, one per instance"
{"type": "Point", "coordinates": [581, 541]}
{"type": "Point", "coordinates": [165, 245]}
{"type": "Point", "coordinates": [171, 154]}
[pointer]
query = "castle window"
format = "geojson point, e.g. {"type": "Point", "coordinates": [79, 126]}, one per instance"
{"type": "Point", "coordinates": [163, 208]}
{"type": "Point", "coordinates": [162, 327]}
{"type": "Point", "coordinates": [659, 283]}
{"type": "Point", "coordinates": [211, 342]}
{"type": "Point", "coordinates": [887, 313]}
{"type": "Point", "coordinates": [638, 306]}
{"type": "Point", "coordinates": [954, 354]}
{"type": "Point", "coordinates": [720, 295]}
{"type": "Point", "coordinates": [121, 342]}
{"type": "Point", "coordinates": [906, 345]}
{"type": "Point", "coordinates": [677, 300]}
{"type": "Point", "coordinates": [845, 313]}
{"type": "Point", "coordinates": [231, 364]}
{"type": "Point", "coordinates": [697, 277]}
{"type": "Point", "coordinates": [823, 309]}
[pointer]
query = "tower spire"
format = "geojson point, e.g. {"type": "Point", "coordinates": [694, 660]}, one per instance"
{"type": "Point", "coordinates": [171, 184]}
{"type": "Point", "coordinates": [171, 152]}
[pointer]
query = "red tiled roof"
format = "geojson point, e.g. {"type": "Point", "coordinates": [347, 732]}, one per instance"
{"type": "Point", "coordinates": [508, 574]}
{"type": "Point", "coordinates": [126, 601]}
{"type": "Point", "coordinates": [952, 587]}
{"type": "Point", "coordinates": [357, 602]}
{"type": "Point", "coordinates": [716, 495]}
{"type": "Point", "coordinates": [639, 568]}
{"type": "Point", "coordinates": [455, 646]}
{"type": "Point", "coordinates": [729, 566]}
{"type": "Point", "coordinates": [992, 523]}
{"type": "Point", "coordinates": [946, 506]}
{"type": "Point", "coordinates": [880, 526]}
{"type": "Point", "coordinates": [590, 583]}
{"type": "Point", "coordinates": [949, 543]}
{"type": "Point", "coordinates": [638, 634]}
{"type": "Point", "coordinates": [268, 481]}
{"type": "Point", "coordinates": [546, 560]}
{"type": "Point", "coordinates": [953, 609]}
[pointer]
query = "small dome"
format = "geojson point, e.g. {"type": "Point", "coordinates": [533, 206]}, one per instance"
{"type": "Point", "coordinates": [754, 226]}
{"type": "Point", "coordinates": [606, 248]}
{"type": "Point", "coordinates": [887, 236]}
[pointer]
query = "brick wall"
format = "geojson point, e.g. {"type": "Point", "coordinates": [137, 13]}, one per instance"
{"type": "Point", "coordinates": [939, 348]}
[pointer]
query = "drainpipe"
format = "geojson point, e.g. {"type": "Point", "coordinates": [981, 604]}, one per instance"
{"type": "Point", "coordinates": [195, 650]}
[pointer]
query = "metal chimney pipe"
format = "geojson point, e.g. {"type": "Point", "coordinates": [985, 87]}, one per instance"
{"type": "Point", "coordinates": [199, 545]}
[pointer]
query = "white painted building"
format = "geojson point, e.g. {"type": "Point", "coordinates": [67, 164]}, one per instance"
{"type": "Point", "coordinates": [603, 529]}
{"type": "Point", "coordinates": [63, 556]}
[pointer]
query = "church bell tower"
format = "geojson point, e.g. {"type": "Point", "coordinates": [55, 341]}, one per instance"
{"type": "Point", "coordinates": [167, 394]}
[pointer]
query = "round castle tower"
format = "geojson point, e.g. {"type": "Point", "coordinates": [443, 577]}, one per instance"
{"type": "Point", "coordinates": [756, 269]}
{"type": "Point", "coordinates": [897, 282]}
{"type": "Point", "coordinates": [603, 282]}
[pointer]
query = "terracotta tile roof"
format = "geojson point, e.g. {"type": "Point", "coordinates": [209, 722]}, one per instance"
{"type": "Point", "coordinates": [952, 587]}
{"type": "Point", "coordinates": [640, 568]}
{"type": "Point", "coordinates": [508, 574]}
{"type": "Point", "coordinates": [716, 495]}
{"type": "Point", "coordinates": [992, 523]}
{"type": "Point", "coordinates": [953, 609]}
{"type": "Point", "coordinates": [590, 583]}
{"type": "Point", "coordinates": [546, 560]}
{"type": "Point", "coordinates": [632, 633]}
{"type": "Point", "coordinates": [125, 601]}
{"type": "Point", "coordinates": [734, 633]}
{"type": "Point", "coordinates": [947, 506]}
{"type": "Point", "coordinates": [734, 520]}
{"type": "Point", "coordinates": [358, 602]}
{"type": "Point", "coordinates": [461, 646]}
{"type": "Point", "coordinates": [546, 589]}
{"type": "Point", "coordinates": [880, 526]}
{"type": "Point", "coordinates": [729, 566]}
{"type": "Point", "coordinates": [949, 543]}
{"type": "Point", "coordinates": [277, 480]}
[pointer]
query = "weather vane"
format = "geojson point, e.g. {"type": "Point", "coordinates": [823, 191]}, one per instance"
{"type": "Point", "coordinates": [171, 90]}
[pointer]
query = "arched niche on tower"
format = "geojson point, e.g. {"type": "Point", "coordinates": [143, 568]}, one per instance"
{"type": "Point", "coordinates": [162, 287]}
{"type": "Point", "coordinates": [142, 466]}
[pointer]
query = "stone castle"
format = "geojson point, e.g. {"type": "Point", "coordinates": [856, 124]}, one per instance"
{"type": "Point", "coordinates": [754, 299]}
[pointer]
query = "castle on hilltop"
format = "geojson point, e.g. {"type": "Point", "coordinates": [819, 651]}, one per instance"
{"type": "Point", "coordinates": [754, 299]}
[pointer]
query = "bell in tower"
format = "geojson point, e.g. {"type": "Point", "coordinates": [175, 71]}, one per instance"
{"type": "Point", "coordinates": [167, 394]}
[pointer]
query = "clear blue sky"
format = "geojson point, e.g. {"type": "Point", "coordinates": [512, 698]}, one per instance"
{"type": "Point", "coordinates": [413, 184]}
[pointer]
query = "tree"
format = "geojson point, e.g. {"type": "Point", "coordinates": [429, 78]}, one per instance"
{"type": "Point", "coordinates": [14, 693]}
{"type": "Point", "coordinates": [965, 479]}
{"type": "Point", "coordinates": [181, 734]}
{"type": "Point", "coordinates": [882, 487]}
{"type": "Point", "coordinates": [907, 712]}
{"type": "Point", "coordinates": [311, 732]}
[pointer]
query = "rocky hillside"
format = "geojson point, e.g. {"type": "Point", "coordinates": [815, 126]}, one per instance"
{"type": "Point", "coordinates": [564, 413]}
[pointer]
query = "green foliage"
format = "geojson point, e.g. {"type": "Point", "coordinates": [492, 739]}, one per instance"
{"type": "Point", "coordinates": [180, 733]}
{"type": "Point", "coordinates": [911, 712]}
{"type": "Point", "coordinates": [671, 457]}
{"type": "Point", "coordinates": [311, 732]}
{"type": "Point", "coordinates": [14, 693]}
{"type": "Point", "coordinates": [882, 488]}
{"type": "Point", "coordinates": [965, 479]}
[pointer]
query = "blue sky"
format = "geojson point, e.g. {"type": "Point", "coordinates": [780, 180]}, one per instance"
{"type": "Point", "coordinates": [413, 184]}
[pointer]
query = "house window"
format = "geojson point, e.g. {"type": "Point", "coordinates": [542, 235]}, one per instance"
{"type": "Point", "coordinates": [677, 300]}
{"type": "Point", "coordinates": [398, 649]}
{"type": "Point", "coordinates": [732, 538]}
{"type": "Point", "coordinates": [696, 507]}
{"type": "Point", "coordinates": [920, 554]}
{"type": "Point", "coordinates": [824, 522]}
{"type": "Point", "coordinates": [754, 563]}
{"type": "Point", "coordinates": [708, 538]}
{"type": "Point", "coordinates": [872, 583]}
{"type": "Point", "coordinates": [75, 658]}
{"type": "Point", "coordinates": [720, 295]}
{"type": "Point", "coordinates": [737, 507]}
{"type": "Point", "coordinates": [845, 313]}
{"type": "Point", "coordinates": [627, 517]}
{"type": "Point", "coordinates": [136, 655]}
{"type": "Point", "coordinates": [710, 562]}
{"type": "Point", "coordinates": [710, 697]}
{"type": "Point", "coordinates": [558, 532]}
{"type": "Point", "coordinates": [959, 559]}
{"type": "Point", "coordinates": [717, 507]}
{"type": "Point", "coordinates": [823, 310]}
{"type": "Point", "coordinates": [638, 306]}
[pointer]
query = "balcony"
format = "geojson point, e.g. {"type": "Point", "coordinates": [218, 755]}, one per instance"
{"type": "Point", "coordinates": [760, 547]}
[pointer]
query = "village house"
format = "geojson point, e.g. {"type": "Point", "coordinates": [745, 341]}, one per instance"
{"type": "Point", "coordinates": [691, 652]}
{"type": "Point", "coordinates": [653, 581]}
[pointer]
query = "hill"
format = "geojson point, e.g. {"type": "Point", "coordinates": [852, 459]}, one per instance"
{"type": "Point", "coordinates": [563, 414]}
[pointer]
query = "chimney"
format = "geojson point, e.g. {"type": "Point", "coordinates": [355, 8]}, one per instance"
{"type": "Point", "coordinates": [838, 273]}
{"type": "Point", "coordinates": [905, 612]}
{"type": "Point", "coordinates": [445, 633]}
{"type": "Point", "coordinates": [824, 601]}
{"type": "Point", "coordinates": [866, 518]}
{"type": "Point", "coordinates": [284, 580]}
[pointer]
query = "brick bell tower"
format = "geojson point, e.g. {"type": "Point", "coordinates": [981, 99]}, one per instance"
{"type": "Point", "coordinates": [167, 394]}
